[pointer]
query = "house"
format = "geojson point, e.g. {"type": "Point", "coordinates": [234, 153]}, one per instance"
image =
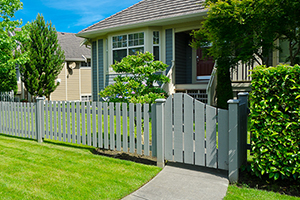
{"type": "Point", "coordinates": [162, 27]}
{"type": "Point", "coordinates": [75, 77]}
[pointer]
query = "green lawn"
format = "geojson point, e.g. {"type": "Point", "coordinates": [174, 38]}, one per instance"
{"type": "Point", "coordinates": [245, 193]}
{"type": "Point", "coordinates": [54, 170]}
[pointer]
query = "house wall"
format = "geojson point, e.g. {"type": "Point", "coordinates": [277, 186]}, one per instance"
{"type": "Point", "coordinates": [102, 57]}
{"type": "Point", "coordinates": [74, 83]}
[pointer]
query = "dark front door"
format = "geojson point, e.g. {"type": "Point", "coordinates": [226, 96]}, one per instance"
{"type": "Point", "coordinates": [204, 65]}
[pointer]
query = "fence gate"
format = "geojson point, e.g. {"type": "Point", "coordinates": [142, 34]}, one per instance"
{"type": "Point", "coordinates": [195, 133]}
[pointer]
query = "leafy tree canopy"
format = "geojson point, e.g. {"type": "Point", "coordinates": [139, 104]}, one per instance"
{"type": "Point", "coordinates": [46, 58]}
{"type": "Point", "coordinates": [136, 84]}
{"type": "Point", "coordinates": [245, 31]}
{"type": "Point", "coordinates": [9, 43]}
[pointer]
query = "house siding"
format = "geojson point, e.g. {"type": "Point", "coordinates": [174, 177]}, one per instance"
{"type": "Point", "coordinates": [94, 71]}
{"type": "Point", "coordinates": [100, 65]}
{"type": "Point", "coordinates": [73, 84]}
{"type": "Point", "coordinates": [169, 48]}
{"type": "Point", "coordinates": [85, 75]}
{"type": "Point", "coordinates": [60, 93]}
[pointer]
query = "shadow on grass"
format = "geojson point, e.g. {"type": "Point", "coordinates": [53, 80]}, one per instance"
{"type": "Point", "coordinates": [249, 180]}
{"type": "Point", "coordinates": [72, 145]}
{"type": "Point", "coordinates": [17, 137]}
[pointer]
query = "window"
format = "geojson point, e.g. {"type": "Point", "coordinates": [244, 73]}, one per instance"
{"type": "Point", "coordinates": [129, 44]}
{"type": "Point", "coordinates": [86, 64]}
{"type": "Point", "coordinates": [86, 98]}
{"type": "Point", "coordinates": [156, 45]}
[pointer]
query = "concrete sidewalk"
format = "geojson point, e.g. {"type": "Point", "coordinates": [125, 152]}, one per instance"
{"type": "Point", "coordinates": [178, 181]}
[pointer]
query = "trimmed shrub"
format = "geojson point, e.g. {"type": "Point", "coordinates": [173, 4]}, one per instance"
{"type": "Point", "coordinates": [275, 121]}
{"type": "Point", "coordinates": [139, 86]}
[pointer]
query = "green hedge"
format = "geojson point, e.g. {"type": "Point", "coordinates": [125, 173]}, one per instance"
{"type": "Point", "coordinates": [275, 121]}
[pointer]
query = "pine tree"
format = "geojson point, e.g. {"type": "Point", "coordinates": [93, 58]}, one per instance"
{"type": "Point", "coordinates": [45, 58]}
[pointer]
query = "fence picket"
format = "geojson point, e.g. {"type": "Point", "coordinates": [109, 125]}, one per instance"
{"type": "Point", "coordinates": [188, 130]}
{"type": "Point", "coordinates": [131, 128]}
{"type": "Point", "coordinates": [223, 139]}
{"type": "Point", "coordinates": [68, 121]}
{"type": "Point", "coordinates": [146, 129]}
{"type": "Point", "coordinates": [78, 122]}
{"type": "Point", "coordinates": [211, 148]}
{"type": "Point", "coordinates": [94, 124]}
{"type": "Point", "coordinates": [169, 131]}
{"type": "Point", "coordinates": [100, 139]}
{"type": "Point", "coordinates": [111, 126]}
{"type": "Point", "coordinates": [28, 116]}
{"type": "Point", "coordinates": [9, 119]}
{"type": "Point", "coordinates": [32, 122]}
{"type": "Point", "coordinates": [125, 134]}
{"type": "Point", "coordinates": [199, 133]}
{"type": "Point", "coordinates": [118, 126]}
{"type": "Point", "coordinates": [83, 123]}
{"type": "Point", "coordinates": [105, 125]}
{"type": "Point", "coordinates": [55, 119]}
{"type": "Point", "coordinates": [22, 127]}
{"type": "Point", "coordinates": [59, 120]}
{"type": "Point", "coordinates": [25, 120]}
{"type": "Point", "coordinates": [139, 128]}
{"type": "Point", "coordinates": [88, 115]}
{"type": "Point", "coordinates": [178, 138]}
{"type": "Point", "coordinates": [73, 122]}
{"type": "Point", "coordinates": [64, 120]}
{"type": "Point", "coordinates": [47, 121]}
{"type": "Point", "coordinates": [51, 119]}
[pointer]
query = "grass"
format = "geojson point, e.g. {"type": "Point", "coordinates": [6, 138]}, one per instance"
{"type": "Point", "coordinates": [55, 170]}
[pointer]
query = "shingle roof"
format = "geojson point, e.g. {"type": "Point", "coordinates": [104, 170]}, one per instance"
{"type": "Point", "coordinates": [149, 10]}
{"type": "Point", "coordinates": [71, 45]}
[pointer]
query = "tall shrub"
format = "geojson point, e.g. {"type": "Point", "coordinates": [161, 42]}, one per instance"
{"type": "Point", "coordinates": [275, 121]}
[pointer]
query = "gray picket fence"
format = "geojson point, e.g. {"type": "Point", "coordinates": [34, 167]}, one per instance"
{"type": "Point", "coordinates": [179, 129]}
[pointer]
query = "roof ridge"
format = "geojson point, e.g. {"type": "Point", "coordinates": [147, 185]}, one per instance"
{"type": "Point", "coordinates": [113, 15]}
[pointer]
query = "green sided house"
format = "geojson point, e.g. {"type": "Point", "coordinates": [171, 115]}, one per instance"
{"type": "Point", "coordinates": [163, 28]}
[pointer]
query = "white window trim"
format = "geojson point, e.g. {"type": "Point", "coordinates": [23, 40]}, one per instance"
{"type": "Point", "coordinates": [127, 47]}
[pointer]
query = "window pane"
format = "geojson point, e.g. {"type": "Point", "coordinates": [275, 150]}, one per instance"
{"type": "Point", "coordinates": [134, 51]}
{"type": "Point", "coordinates": [155, 37]}
{"type": "Point", "coordinates": [156, 52]}
{"type": "Point", "coordinates": [119, 54]}
{"type": "Point", "coordinates": [120, 41]}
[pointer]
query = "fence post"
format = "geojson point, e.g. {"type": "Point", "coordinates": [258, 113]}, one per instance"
{"type": "Point", "coordinates": [38, 114]}
{"type": "Point", "coordinates": [243, 117]}
{"type": "Point", "coordinates": [160, 131]}
{"type": "Point", "coordinates": [233, 154]}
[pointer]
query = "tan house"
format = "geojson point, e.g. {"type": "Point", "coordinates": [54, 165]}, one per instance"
{"type": "Point", "coordinates": [163, 28]}
{"type": "Point", "coordinates": [75, 77]}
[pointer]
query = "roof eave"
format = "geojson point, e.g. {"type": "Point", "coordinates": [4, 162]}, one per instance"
{"type": "Point", "coordinates": [156, 22]}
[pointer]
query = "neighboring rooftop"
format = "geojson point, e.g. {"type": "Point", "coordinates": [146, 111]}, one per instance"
{"type": "Point", "coordinates": [71, 45]}
{"type": "Point", "coordinates": [148, 11]}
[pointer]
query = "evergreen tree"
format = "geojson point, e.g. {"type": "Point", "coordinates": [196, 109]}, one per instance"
{"type": "Point", "coordinates": [45, 58]}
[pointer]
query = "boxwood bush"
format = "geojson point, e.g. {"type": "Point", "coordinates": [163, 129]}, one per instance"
{"type": "Point", "coordinates": [275, 121]}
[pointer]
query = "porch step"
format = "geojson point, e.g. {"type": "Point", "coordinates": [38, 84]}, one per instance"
{"type": "Point", "coordinates": [200, 95]}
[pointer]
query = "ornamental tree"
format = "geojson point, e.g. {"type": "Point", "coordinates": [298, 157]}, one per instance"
{"type": "Point", "coordinates": [46, 58]}
{"type": "Point", "coordinates": [137, 82]}
{"type": "Point", "coordinates": [9, 43]}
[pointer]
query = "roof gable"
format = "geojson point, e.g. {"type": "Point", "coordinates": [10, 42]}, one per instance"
{"type": "Point", "coordinates": [148, 10]}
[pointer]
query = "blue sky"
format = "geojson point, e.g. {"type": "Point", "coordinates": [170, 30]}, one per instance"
{"type": "Point", "coordinates": [71, 15]}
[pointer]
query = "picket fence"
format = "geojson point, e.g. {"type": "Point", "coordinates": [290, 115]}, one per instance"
{"type": "Point", "coordinates": [178, 129]}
